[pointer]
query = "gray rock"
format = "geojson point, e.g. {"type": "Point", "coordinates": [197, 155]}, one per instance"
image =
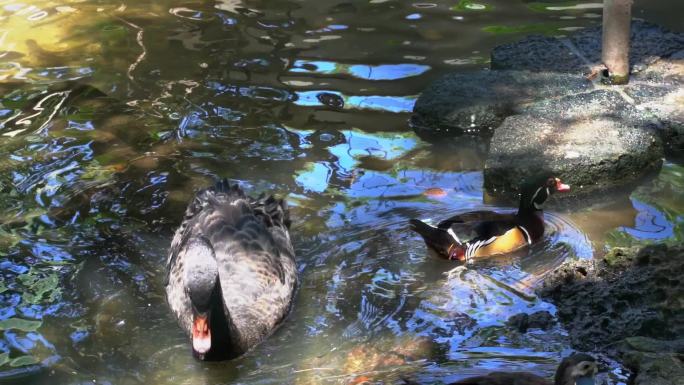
{"type": "Point", "coordinates": [589, 105]}
{"type": "Point", "coordinates": [668, 109]}
{"type": "Point", "coordinates": [476, 103]}
{"type": "Point", "coordinates": [649, 42]}
{"type": "Point", "coordinates": [655, 362]}
{"type": "Point", "coordinates": [647, 92]}
{"type": "Point", "coordinates": [637, 293]}
{"type": "Point", "coordinates": [659, 92]}
{"type": "Point", "coordinates": [538, 320]}
{"type": "Point", "coordinates": [655, 368]}
{"type": "Point", "coordinates": [665, 72]}
{"type": "Point", "coordinates": [650, 345]}
{"type": "Point", "coordinates": [593, 141]}
{"type": "Point", "coordinates": [537, 53]}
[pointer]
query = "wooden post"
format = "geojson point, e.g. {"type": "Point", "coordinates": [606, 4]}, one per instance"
{"type": "Point", "coordinates": [617, 16]}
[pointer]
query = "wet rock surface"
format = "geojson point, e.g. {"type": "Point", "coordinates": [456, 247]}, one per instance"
{"type": "Point", "coordinates": [594, 136]}
{"type": "Point", "coordinates": [476, 103]}
{"type": "Point", "coordinates": [576, 53]}
{"type": "Point", "coordinates": [590, 140]}
{"type": "Point", "coordinates": [659, 93]}
{"type": "Point", "coordinates": [655, 362]}
{"type": "Point", "coordinates": [538, 320]}
{"type": "Point", "coordinates": [542, 114]}
{"type": "Point", "coordinates": [627, 304]}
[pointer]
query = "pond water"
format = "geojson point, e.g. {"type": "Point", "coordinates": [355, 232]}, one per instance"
{"type": "Point", "coordinates": [114, 112]}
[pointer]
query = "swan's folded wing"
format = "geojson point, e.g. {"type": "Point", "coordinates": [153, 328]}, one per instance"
{"type": "Point", "coordinates": [257, 278]}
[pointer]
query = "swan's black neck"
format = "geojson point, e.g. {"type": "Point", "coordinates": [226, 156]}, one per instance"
{"type": "Point", "coordinates": [223, 345]}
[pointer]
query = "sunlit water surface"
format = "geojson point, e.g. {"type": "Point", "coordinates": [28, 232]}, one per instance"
{"type": "Point", "coordinates": [114, 113]}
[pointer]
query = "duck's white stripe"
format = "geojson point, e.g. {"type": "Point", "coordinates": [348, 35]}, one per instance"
{"type": "Point", "coordinates": [472, 248]}
{"type": "Point", "coordinates": [527, 235]}
{"type": "Point", "coordinates": [535, 194]}
{"type": "Point", "coordinates": [453, 235]}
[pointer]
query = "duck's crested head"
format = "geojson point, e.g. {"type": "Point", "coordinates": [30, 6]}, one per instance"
{"type": "Point", "coordinates": [537, 189]}
{"type": "Point", "coordinates": [577, 369]}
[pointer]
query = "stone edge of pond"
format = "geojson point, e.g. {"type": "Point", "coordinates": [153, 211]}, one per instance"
{"type": "Point", "coordinates": [626, 305]}
{"type": "Point", "coordinates": [501, 104]}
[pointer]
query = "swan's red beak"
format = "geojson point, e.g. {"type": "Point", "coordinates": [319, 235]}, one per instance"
{"type": "Point", "coordinates": [201, 335]}
{"type": "Point", "coordinates": [561, 187]}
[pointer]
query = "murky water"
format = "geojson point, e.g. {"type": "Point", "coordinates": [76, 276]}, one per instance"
{"type": "Point", "coordinates": [113, 113]}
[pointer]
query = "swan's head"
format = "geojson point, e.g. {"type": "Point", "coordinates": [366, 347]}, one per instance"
{"type": "Point", "coordinates": [201, 283]}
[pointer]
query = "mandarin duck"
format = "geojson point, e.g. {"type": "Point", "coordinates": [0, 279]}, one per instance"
{"type": "Point", "coordinates": [485, 233]}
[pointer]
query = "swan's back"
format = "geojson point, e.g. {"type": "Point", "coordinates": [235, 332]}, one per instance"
{"type": "Point", "coordinates": [254, 257]}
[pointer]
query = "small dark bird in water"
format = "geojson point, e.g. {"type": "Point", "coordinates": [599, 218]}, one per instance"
{"type": "Point", "coordinates": [231, 270]}
{"type": "Point", "coordinates": [578, 369]}
{"type": "Point", "coordinates": [485, 233]}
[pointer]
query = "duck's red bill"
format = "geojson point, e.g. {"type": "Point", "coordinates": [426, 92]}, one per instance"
{"type": "Point", "coordinates": [561, 187]}
{"type": "Point", "coordinates": [201, 335]}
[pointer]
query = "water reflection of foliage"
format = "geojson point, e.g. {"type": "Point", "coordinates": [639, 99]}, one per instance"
{"type": "Point", "coordinates": [50, 173]}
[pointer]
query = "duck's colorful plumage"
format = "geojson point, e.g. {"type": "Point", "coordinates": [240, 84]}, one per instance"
{"type": "Point", "coordinates": [231, 270]}
{"type": "Point", "coordinates": [485, 233]}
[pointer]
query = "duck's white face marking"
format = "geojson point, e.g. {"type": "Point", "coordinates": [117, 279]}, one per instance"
{"type": "Point", "coordinates": [536, 205]}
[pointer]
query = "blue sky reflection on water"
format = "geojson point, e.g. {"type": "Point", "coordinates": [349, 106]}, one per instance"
{"type": "Point", "coordinates": [361, 71]}
{"type": "Point", "coordinates": [396, 104]}
{"type": "Point", "coordinates": [650, 223]}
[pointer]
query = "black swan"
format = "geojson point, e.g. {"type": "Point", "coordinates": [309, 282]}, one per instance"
{"type": "Point", "coordinates": [231, 273]}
